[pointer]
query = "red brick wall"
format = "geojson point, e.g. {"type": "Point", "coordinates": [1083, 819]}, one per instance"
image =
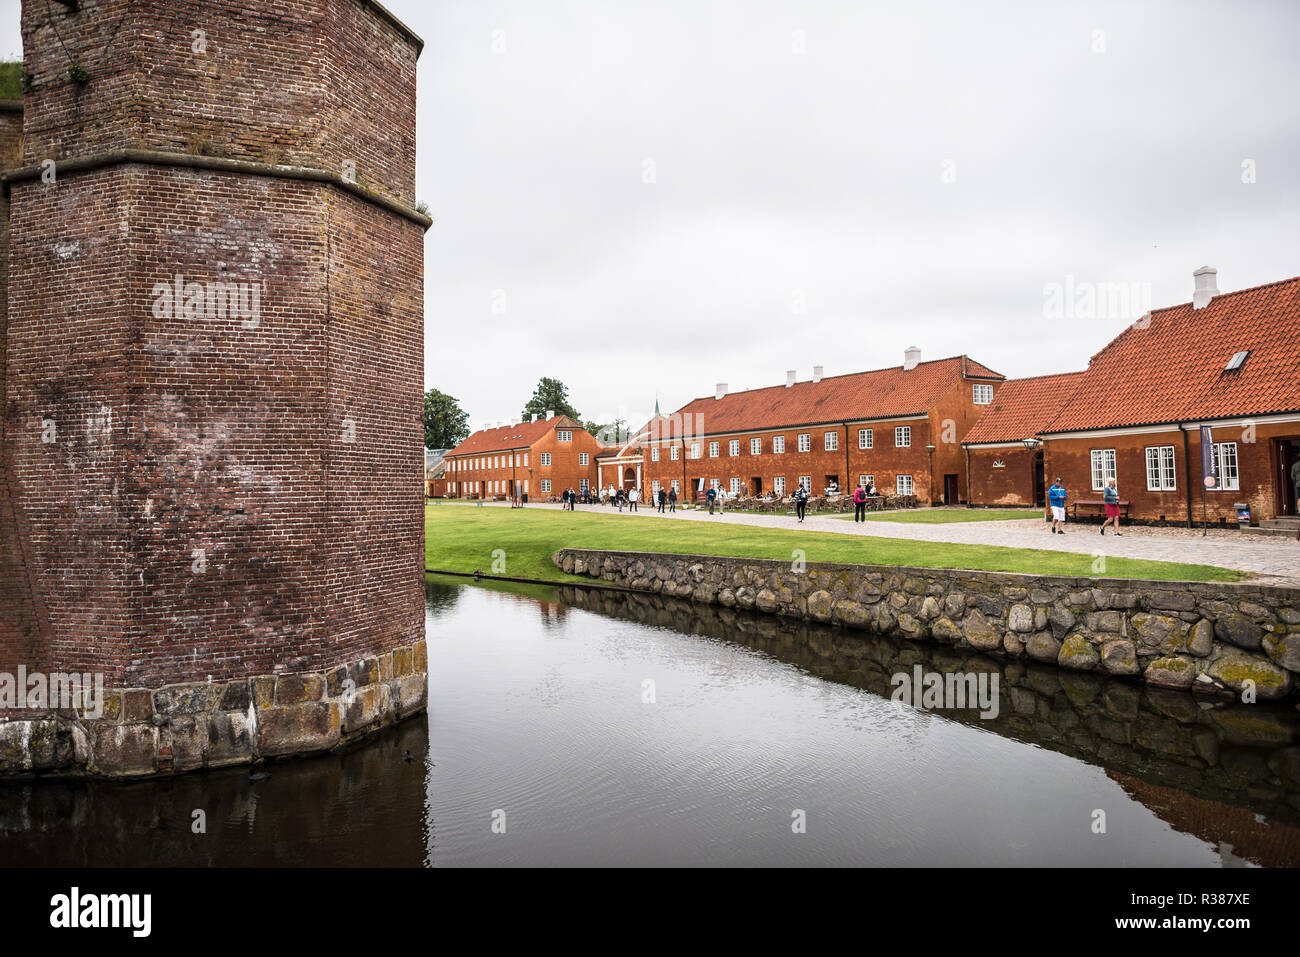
{"type": "Point", "coordinates": [1071, 457]}
{"type": "Point", "coordinates": [1010, 484]}
{"type": "Point", "coordinates": [951, 419]}
{"type": "Point", "coordinates": [19, 630]}
{"type": "Point", "coordinates": [287, 448]}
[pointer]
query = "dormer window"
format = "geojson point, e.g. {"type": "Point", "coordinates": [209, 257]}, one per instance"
{"type": "Point", "coordinates": [1237, 361]}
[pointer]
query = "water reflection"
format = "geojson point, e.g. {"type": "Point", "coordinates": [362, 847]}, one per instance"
{"type": "Point", "coordinates": [579, 727]}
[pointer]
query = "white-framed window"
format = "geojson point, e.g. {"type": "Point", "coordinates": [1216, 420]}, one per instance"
{"type": "Point", "coordinates": [806, 482]}
{"type": "Point", "coordinates": [654, 453]}
{"type": "Point", "coordinates": [546, 485]}
{"type": "Point", "coordinates": [695, 450]}
{"type": "Point", "coordinates": [866, 438]}
{"type": "Point", "coordinates": [525, 458]}
{"type": "Point", "coordinates": [1161, 476]}
{"type": "Point", "coordinates": [756, 446]}
{"type": "Point", "coordinates": [733, 447]}
{"type": "Point", "coordinates": [713, 450]}
{"type": "Point", "coordinates": [778, 444]}
{"type": "Point", "coordinates": [525, 486]}
{"type": "Point", "coordinates": [981, 394]}
{"type": "Point", "coordinates": [1226, 452]}
{"type": "Point", "coordinates": [778, 485]}
{"type": "Point", "coordinates": [584, 484]}
{"type": "Point", "coordinates": [675, 485]}
{"type": "Point", "coordinates": [903, 438]}
{"type": "Point", "coordinates": [564, 435]}
{"type": "Point", "coordinates": [672, 452]}
{"type": "Point", "coordinates": [546, 460]}
{"type": "Point", "coordinates": [715, 483]}
{"type": "Point", "coordinates": [866, 481]}
{"type": "Point", "coordinates": [903, 484]}
{"type": "Point", "coordinates": [734, 486]}
{"type": "Point", "coordinates": [583, 458]}
{"type": "Point", "coordinates": [1103, 467]}
{"type": "Point", "coordinates": [805, 441]}
{"type": "Point", "coordinates": [832, 440]}
{"type": "Point", "coordinates": [654, 487]}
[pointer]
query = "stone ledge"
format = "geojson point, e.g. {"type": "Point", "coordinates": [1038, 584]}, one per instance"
{"type": "Point", "coordinates": [187, 727]}
{"type": "Point", "coordinates": [1201, 636]}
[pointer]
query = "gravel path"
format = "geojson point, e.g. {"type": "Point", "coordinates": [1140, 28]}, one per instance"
{"type": "Point", "coordinates": [1274, 560]}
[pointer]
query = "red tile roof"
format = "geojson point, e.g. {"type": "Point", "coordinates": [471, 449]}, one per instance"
{"type": "Point", "coordinates": [1021, 407]}
{"type": "Point", "coordinates": [507, 437]}
{"type": "Point", "coordinates": [1171, 368]}
{"type": "Point", "coordinates": [879, 394]}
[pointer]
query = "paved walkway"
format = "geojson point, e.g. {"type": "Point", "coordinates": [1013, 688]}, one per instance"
{"type": "Point", "coordinates": [1274, 560]}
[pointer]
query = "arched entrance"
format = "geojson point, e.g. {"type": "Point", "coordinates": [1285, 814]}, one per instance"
{"type": "Point", "coordinates": [629, 477]}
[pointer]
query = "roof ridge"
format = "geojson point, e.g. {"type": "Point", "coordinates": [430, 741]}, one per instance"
{"type": "Point", "coordinates": [1224, 295]}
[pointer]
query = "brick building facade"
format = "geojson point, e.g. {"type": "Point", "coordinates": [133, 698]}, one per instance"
{"type": "Point", "coordinates": [539, 459]}
{"type": "Point", "coordinates": [1004, 456]}
{"type": "Point", "coordinates": [1228, 361]}
{"type": "Point", "coordinates": [211, 450]}
{"type": "Point", "coordinates": [899, 428]}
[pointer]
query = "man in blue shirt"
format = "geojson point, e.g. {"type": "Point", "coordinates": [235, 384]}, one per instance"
{"type": "Point", "coordinates": [1056, 496]}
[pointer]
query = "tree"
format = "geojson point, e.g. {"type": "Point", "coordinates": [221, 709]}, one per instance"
{"type": "Point", "coordinates": [445, 423]}
{"type": "Point", "coordinates": [609, 432]}
{"type": "Point", "coordinates": [551, 395]}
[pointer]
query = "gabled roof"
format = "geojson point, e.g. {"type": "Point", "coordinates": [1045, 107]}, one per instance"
{"type": "Point", "coordinates": [1021, 407]}
{"type": "Point", "coordinates": [434, 459]}
{"type": "Point", "coordinates": [879, 394]}
{"type": "Point", "coordinates": [1169, 367]}
{"type": "Point", "coordinates": [506, 437]}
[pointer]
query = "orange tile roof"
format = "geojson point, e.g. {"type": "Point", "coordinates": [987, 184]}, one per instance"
{"type": "Point", "coordinates": [1170, 368]}
{"type": "Point", "coordinates": [878, 394]}
{"type": "Point", "coordinates": [1023, 406]}
{"type": "Point", "coordinates": [504, 438]}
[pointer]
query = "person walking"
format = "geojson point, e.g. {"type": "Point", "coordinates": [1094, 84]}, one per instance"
{"type": "Point", "coordinates": [711, 496]}
{"type": "Point", "coordinates": [672, 501]}
{"type": "Point", "coordinates": [632, 496]}
{"type": "Point", "coordinates": [859, 504]}
{"type": "Point", "coordinates": [663, 500]}
{"type": "Point", "coordinates": [621, 498]}
{"type": "Point", "coordinates": [800, 500]}
{"type": "Point", "coordinates": [1110, 497]}
{"type": "Point", "coordinates": [1056, 496]}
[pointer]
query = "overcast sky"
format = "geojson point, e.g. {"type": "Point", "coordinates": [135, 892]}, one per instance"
{"type": "Point", "coordinates": [830, 182]}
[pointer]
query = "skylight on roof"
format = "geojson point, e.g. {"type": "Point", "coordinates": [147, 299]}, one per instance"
{"type": "Point", "coordinates": [1237, 361]}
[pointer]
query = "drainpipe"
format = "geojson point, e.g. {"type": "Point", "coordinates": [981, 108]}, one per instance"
{"type": "Point", "coordinates": [970, 492]}
{"type": "Point", "coordinates": [1187, 472]}
{"type": "Point", "coordinates": [848, 475]}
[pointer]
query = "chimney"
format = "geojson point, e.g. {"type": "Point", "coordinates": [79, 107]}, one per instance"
{"type": "Point", "coordinates": [789, 378]}
{"type": "Point", "coordinates": [911, 358]}
{"type": "Point", "coordinates": [817, 374]}
{"type": "Point", "coordinates": [720, 391]}
{"type": "Point", "coordinates": [550, 414]}
{"type": "Point", "coordinates": [1206, 289]}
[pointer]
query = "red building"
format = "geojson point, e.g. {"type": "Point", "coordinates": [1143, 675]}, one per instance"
{"type": "Point", "coordinates": [898, 428]}
{"type": "Point", "coordinates": [539, 459]}
{"type": "Point", "coordinates": [1230, 362]}
{"type": "Point", "coordinates": [1004, 456]}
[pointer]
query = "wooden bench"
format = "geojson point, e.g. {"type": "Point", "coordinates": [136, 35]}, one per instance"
{"type": "Point", "coordinates": [1099, 504]}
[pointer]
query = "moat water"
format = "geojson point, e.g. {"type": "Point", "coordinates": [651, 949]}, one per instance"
{"type": "Point", "coordinates": [571, 728]}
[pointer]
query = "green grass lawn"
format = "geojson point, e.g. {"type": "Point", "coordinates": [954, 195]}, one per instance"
{"type": "Point", "coordinates": [945, 516]}
{"type": "Point", "coordinates": [464, 539]}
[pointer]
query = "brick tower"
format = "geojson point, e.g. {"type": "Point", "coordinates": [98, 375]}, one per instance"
{"type": "Point", "coordinates": [210, 489]}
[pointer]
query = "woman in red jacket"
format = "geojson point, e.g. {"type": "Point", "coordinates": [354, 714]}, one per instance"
{"type": "Point", "coordinates": [859, 504]}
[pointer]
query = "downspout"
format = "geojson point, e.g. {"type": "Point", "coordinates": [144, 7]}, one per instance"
{"type": "Point", "coordinates": [970, 492]}
{"type": "Point", "coordinates": [848, 475]}
{"type": "Point", "coordinates": [1187, 472]}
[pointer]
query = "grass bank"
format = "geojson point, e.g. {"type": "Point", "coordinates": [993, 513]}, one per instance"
{"type": "Point", "coordinates": [465, 539]}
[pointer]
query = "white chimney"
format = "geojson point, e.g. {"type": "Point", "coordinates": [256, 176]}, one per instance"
{"type": "Point", "coordinates": [911, 358]}
{"type": "Point", "coordinates": [817, 374]}
{"type": "Point", "coordinates": [720, 391]}
{"type": "Point", "coordinates": [789, 378]}
{"type": "Point", "coordinates": [1206, 289]}
{"type": "Point", "coordinates": [550, 414]}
